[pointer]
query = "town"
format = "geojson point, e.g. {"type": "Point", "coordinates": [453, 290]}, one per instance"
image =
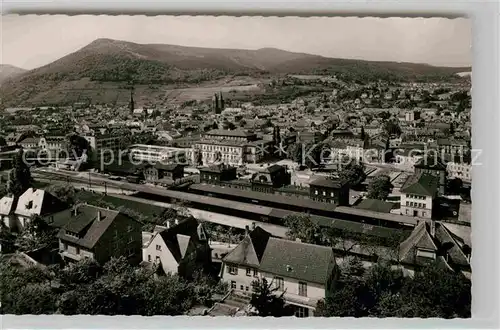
{"type": "Point", "coordinates": [320, 195]}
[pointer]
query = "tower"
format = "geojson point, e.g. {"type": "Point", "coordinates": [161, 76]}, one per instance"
{"type": "Point", "coordinates": [221, 102]}
{"type": "Point", "coordinates": [277, 139]}
{"type": "Point", "coordinates": [131, 104]}
{"type": "Point", "coordinates": [215, 103]}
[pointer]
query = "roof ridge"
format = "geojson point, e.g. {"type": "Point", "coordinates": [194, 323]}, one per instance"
{"type": "Point", "coordinates": [302, 243]}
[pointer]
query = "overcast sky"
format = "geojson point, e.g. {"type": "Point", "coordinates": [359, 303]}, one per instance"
{"type": "Point", "coordinates": [32, 41]}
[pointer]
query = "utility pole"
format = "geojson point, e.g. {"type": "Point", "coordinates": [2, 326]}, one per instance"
{"type": "Point", "coordinates": [105, 188]}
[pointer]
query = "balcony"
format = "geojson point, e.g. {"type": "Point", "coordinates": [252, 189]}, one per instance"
{"type": "Point", "coordinates": [72, 256]}
{"type": "Point", "coordinates": [296, 299]}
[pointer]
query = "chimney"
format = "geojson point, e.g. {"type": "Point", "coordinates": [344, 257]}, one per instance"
{"type": "Point", "coordinates": [75, 210]}
{"type": "Point", "coordinates": [168, 224]}
{"type": "Point", "coordinates": [176, 221]}
{"type": "Point", "coordinates": [253, 225]}
{"type": "Point", "coordinates": [98, 215]}
{"type": "Point", "coordinates": [288, 268]}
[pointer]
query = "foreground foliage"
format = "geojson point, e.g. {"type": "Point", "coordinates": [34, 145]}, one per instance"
{"type": "Point", "coordinates": [87, 288]}
{"type": "Point", "coordinates": [384, 292]}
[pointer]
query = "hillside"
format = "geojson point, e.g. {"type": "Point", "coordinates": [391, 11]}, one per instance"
{"type": "Point", "coordinates": [110, 65]}
{"type": "Point", "coordinates": [8, 71]}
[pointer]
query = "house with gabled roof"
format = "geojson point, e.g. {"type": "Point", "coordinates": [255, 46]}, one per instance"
{"type": "Point", "coordinates": [34, 202]}
{"type": "Point", "coordinates": [302, 272]}
{"type": "Point", "coordinates": [179, 248]}
{"type": "Point", "coordinates": [7, 207]}
{"type": "Point", "coordinates": [418, 195]}
{"type": "Point", "coordinates": [89, 231]}
{"type": "Point", "coordinates": [430, 242]}
{"type": "Point", "coordinates": [241, 266]}
{"type": "Point", "coordinates": [433, 164]}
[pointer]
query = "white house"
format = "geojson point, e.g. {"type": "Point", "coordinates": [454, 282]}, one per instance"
{"type": "Point", "coordinates": [179, 248]}
{"type": "Point", "coordinates": [302, 271]}
{"type": "Point", "coordinates": [34, 202]}
{"type": "Point", "coordinates": [418, 194]}
{"type": "Point", "coordinates": [6, 211]}
{"type": "Point", "coordinates": [461, 171]}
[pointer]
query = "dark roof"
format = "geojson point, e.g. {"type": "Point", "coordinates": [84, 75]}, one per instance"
{"type": "Point", "coordinates": [301, 261]}
{"type": "Point", "coordinates": [423, 184]}
{"type": "Point", "coordinates": [454, 250]}
{"type": "Point", "coordinates": [123, 167]}
{"type": "Point", "coordinates": [85, 223]}
{"type": "Point", "coordinates": [218, 168]}
{"type": "Point", "coordinates": [178, 237]}
{"type": "Point", "coordinates": [431, 162]}
{"type": "Point", "coordinates": [419, 238]}
{"type": "Point", "coordinates": [397, 218]}
{"type": "Point", "coordinates": [273, 168]}
{"type": "Point", "coordinates": [327, 182]}
{"type": "Point", "coordinates": [451, 142]}
{"type": "Point", "coordinates": [375, 205]}
{"type": "Point", "coordinates": [250, 250]}
{"type": "Point", "coordinates": [254, 195]}
{"type": "Point", "coordinates": [167, 167]}
{"type": "Point", "coordinates": [224, 132]}
{"type": "Point", "coordinates": [442, 243]}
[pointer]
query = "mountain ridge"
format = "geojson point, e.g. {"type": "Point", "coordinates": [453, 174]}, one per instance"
{"type": "Point", "coordinates": [8, 71]}
{"type": "Point", "coordinates": [122, 62]}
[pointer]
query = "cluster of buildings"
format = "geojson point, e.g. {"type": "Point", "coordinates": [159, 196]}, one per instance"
{"type": "Point", "coordinates": [232, 158]}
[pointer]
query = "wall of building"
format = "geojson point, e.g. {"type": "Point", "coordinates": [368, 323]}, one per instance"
{"type": "Point", "coordinates": [242, 281]}
{"type": "Point", "coordinates": [421, 204]}
{"type": "Point", "coordinates": [118, 241]}
{"type": "Point", "coordinates": [157, 251]}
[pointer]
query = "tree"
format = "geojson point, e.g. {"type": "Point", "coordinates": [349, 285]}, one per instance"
{"type": "Point", "coordinates": [451, 130]}
{"type": "Point", "coordinates": [353, 174]}
{"type": "Point", "coordinates": [266, 302]}
{"type": "Point", "coordinates": [392, 128]}
{"type": "Point", "coordinates": [228, 125]}
{"type": "Point", "coordinates": [64, 192]}
{"type": "Point", "coordinates": [20, 176]}
{"type": "Point", "coordinates": [380, 187]}
{"type": "Point", "coordinates": [302, 227]}
{"type": "Point", "coordinates": [77, 145]}
{"type": "Point", "coordinates": [341, 239]}
{"type": "Point", "coordinates": [435, 291]}
{"type": "Point", "coordinates": [25, 290]}
{"type": "Point", "coordinates": [384, 115]}
{"type": "Point", "coordinates": [454, 186]}
{"type": "Point", "coordinates": [363, 135]}
{"type": "Point", "coordinates": [37, 234]}
{"type": "Point", "coordinates": [294, 152]}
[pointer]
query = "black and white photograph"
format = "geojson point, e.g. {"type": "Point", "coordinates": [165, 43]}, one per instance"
{"type": "Point", "coordinates": [236, 166]}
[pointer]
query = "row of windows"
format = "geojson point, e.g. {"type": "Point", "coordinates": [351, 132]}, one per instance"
{"type": "Point", "coordinates": [416, 214]}
{"type": "Point", "coordinates": [233, 286]}
{"type": "Point", "coordinates": [233, 150]}
{"type": "Point", "coordinates": [316, 192]}
{"type": "Point", "coordinates": [157, 259]}
{"type": "Point", "coordinates": [223, 137]}
{"type": "Point", "coordinates": [223, 156]}
{"type": "Point", "coordinates": [415, 204]}
{"type": "Point", "coordinates": [280, 286]}
{"type": "Point", "coordinates": [415, 196]}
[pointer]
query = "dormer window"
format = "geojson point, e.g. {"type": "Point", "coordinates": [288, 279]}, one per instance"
{"type": "Point", "coordinates": [424, 253]}
{"type": "Point", "coordinates": [29, 205]}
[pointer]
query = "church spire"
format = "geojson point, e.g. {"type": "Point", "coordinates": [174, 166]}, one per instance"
{"type": "Point", "coordinates": [131, 104]}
